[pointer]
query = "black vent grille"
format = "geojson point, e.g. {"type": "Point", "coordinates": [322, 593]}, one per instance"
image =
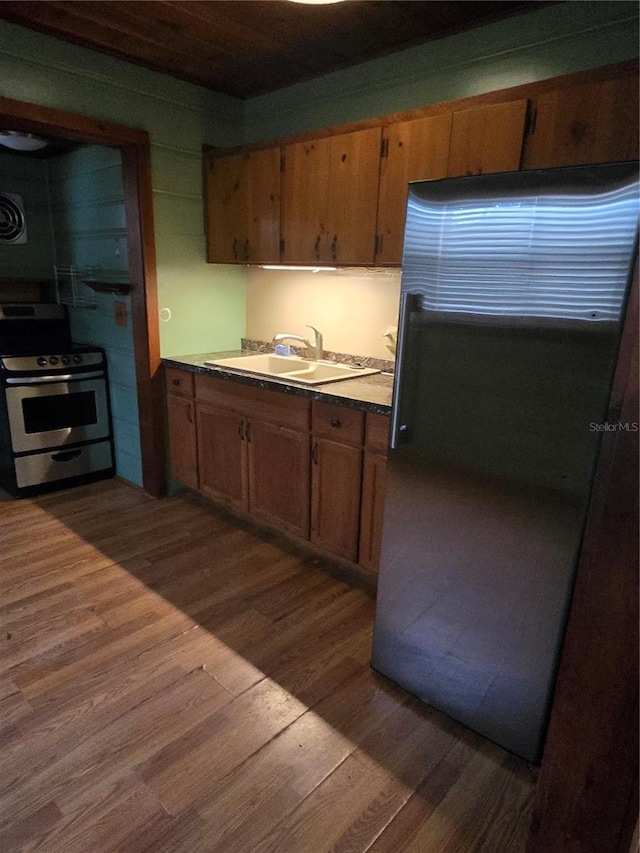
{"type": "Point", "coordinates": [13, 227]}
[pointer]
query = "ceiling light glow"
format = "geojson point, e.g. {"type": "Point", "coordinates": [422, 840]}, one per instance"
{"type": "Point", "coordinates": [19, 141]}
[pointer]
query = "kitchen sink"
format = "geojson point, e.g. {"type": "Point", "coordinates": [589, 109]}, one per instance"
{"type": "Point", "coordinates": [291, 368]}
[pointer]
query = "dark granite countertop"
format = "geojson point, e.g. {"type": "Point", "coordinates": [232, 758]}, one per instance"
{"type": "Point", "coordinates": [366, 393]}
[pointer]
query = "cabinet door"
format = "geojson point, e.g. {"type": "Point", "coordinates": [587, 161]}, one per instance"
{"type": "Point", "coordinates": [353, 195]}
{"type": "Point", "coordinates": [329, 199]}
{"type": "Point", "coordinates": [305, 201]}
{"type": "Point", "coordinates": [279, 475]}
{"type": "Point", "coordinates": [589, 123]}
{"type": "Point", "coordinates": [487, 139]}
{"type": "Point", "coordinates": [222, 457]}
{"type": "Point", "coordinates": [243, 207]}
{"type": "Point", "coordinates": [412, 151]}
{"type": "Point", "coordinates": [373, 485]}
{"type": "Point", "coordinates": [262, 212]}
{"type": "Point", "coordinates": [336, 475]}
{"type": "Point", "coordinates": [182, 439]}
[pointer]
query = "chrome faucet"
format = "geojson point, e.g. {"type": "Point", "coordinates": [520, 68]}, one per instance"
{"type": "Point", "coordinates": [316, 347]}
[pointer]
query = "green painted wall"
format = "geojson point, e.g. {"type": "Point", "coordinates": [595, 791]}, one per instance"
{"type": "Point", "coordinates": [569, 37]}
{"type": "Point", "coordinates": [206, 303]}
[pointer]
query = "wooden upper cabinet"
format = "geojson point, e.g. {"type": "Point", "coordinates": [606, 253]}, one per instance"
{"type": "Point", "coordinates": [589, 123]}
{"type": "Point", "coordinates": [487, 139]}
{"type": "Point", "coordinates": [341, 199]}
{"type": "Point", "coordinates": [415, 150]}
{"type": "Point", "coordinates": [243, 207]}
{"type": "Point", "coordinates": [305, 201]}
{"type": "Point", "coordinates": [329, 200]}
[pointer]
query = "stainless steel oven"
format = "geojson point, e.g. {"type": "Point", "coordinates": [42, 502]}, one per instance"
{"type": "Point", "coordinates": [55, 423]}
{"type": "Point", "coordinates": [50, 411]}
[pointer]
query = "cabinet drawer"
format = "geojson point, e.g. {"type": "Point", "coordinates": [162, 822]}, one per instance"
{"type": "Point", "coordinates": [178, 381]}
{"type": "Point", "coordinates": [337, 423]}
{"type": "Point", "coordinates": [377, 433]}
{"type": "Point", "coordinates": [271, 406]}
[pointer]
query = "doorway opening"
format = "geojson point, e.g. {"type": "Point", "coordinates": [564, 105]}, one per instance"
{"type": "Point", "coordinates": [134, 148]}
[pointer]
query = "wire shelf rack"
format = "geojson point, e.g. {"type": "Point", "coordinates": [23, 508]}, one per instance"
{"type": "Point", "coordinates": [70, 287]}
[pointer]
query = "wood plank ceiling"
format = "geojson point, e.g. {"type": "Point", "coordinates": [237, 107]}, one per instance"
{"type": "Point", "coordinates": [249, 47]}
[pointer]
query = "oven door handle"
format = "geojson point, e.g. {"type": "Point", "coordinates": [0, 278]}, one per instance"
{"type": "Point", "coordinates": [65, 455]}
{"type": "Point", "coordinates": [39, 380]}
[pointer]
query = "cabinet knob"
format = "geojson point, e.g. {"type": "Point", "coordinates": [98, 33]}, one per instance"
{"type": "Point", "coordinates": [316, 248]}
{"type": "Point", "coordinates": [335, 422]}
{"type": "Point", "coordinates": [334, 247]}
{"type": "Point", "coordinates": [176, 382]}
{"type": "Point", "coordinates": [235, 248]}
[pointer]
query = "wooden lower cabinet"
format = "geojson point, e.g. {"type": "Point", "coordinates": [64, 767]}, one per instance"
{"type": "Point", "coordinates": [336, 478]}
{"type": "Point", "coordinates": [181, 421]}
{"type": "Point", "coordinates": [222, 456]}
{"type": "Point", "coordinates": [313, 469]}
{"type": "Point", "coordinates": [253, 451]}
{"type": "Point", "coordinates": [182, 440]}
{"type": "Point", "coordinates": [255, 466]}
{"type": "Point", "coordinates": [374, 476]}
{"type": "Point", "coordinates": [278, 468]}
{"type": "Point", "coordinates": [336, 475]}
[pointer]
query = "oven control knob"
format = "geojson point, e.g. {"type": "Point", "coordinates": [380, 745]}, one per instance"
{"type": "Point", "coordinates": [42, 361]}
{"type": "Point", "coordinates": [65, 359]}
{"type": "Point", "coordinates": [53, 359]}
{"type": "Point", "coordinates": [77, 359]}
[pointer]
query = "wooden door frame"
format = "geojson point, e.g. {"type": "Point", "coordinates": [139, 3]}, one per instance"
{"type": "Point", "coordinates": [135, 150]}
{"type": "Point", "coordinates": [587, 793]}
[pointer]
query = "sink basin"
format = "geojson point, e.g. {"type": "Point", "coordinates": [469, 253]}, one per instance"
{"type": "Point", "coordinates": [291, 368]}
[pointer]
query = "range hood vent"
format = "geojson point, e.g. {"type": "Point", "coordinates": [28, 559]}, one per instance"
{"type": "Point", "coordinates": [13, 226]}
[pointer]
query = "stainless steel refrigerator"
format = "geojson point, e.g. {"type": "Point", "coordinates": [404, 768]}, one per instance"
{"type": "Point", "coordinates": [513, 293]}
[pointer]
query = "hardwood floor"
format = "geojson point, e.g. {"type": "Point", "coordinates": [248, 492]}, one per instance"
{"type": "Point", "coordinates": [172, 679]}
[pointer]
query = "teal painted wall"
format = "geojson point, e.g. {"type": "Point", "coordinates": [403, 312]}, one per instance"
{"type": "Point", "coordinates": [570, 37]}
{"type": "Point", "coordinates": [27, 177]}
{"type": "Point", "coordinates": [206, 302]}
{"type": "Point", "coordinates": [90, 237]}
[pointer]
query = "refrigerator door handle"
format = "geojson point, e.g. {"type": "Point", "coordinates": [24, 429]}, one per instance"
{"type": "Point", "coordinates": [408, 302]}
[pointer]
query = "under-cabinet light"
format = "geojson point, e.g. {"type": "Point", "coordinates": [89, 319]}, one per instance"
{"type": "Point", "coordinates": [307, 269]}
